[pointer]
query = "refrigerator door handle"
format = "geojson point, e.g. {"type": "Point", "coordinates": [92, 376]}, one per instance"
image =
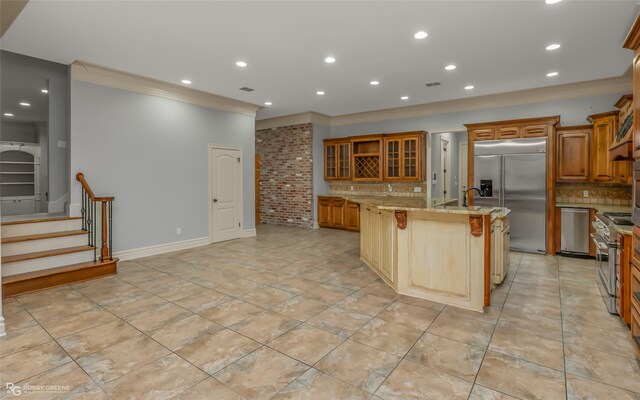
{"type": "Point", "coordinates": [502, 183]}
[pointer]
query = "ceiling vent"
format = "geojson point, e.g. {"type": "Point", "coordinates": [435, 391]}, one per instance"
{"type": "Point", "coordinates": [432, 84]}
{"type": "Point", "coordinates": [247, 89]}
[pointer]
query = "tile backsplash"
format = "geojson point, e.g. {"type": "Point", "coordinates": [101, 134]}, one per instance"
{"type": "Point", "coordinates": [599, 193]}
{"type": "Point", "coordinates": [404, 189]}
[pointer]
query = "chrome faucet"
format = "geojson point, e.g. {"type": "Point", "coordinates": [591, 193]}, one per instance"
{"type": "Point", "coordinates": [464, 201]}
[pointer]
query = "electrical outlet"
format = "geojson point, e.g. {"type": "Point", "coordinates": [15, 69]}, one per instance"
{"type": "Point", "coordinates": [178, 231]}
{"type": "Point", "coordinates": [351, 187]}
{"type": "Point", "coordinates": [417, 189]}
{"type": "Point", "coordinates": [585, 193]}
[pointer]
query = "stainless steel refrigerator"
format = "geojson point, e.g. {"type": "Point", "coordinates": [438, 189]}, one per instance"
{"type": "Point", "coordinates": [512, 174]}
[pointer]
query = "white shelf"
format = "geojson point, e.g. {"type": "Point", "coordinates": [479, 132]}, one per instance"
{"type": "Point", "coordinates": [17, 183]}
{"type": "Point", "coordinates": [17, 162]}
{"type": "Point", "coordinates": [17, 173]}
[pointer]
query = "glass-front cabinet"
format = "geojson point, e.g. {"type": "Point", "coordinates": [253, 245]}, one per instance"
{"type": "Point", "coordinates": [337, 160]}
{"type": "Point", "coordinates": [403, 158]}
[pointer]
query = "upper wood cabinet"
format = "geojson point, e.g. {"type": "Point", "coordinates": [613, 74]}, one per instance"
{"type": "Point", "coordinates": [514, 129]}
{"type": "Point", "coordinates": [605, 126]}
{"type": "Point", "coordinates": [482, 134]}
{"type": "Point", "coordinates": [633, 43]}
{"type": "Point", "coordinates": [405, 157]}
{"type": "Point", "coordinates": [572, 156]}
{"type": "Point", "coordinates": [337, 159]}
{"type": "Point", "coordinates": [396, 156]}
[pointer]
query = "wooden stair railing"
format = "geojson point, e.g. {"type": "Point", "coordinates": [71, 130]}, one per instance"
{"type": "Point", "coordinates": [89, 219]}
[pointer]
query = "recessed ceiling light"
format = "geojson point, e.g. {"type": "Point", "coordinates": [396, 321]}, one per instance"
{"type": "Point", "coordinates": [320, 93]}
{"type": "Point", "coordinates": [450, 67]}
{"type": "Point", "coordinates": [469, 87]}
{"type": "Point", "coordinates": [552, 74]}
{"type": "Point", "coordinates": [25, 104]}
{"type": "Point", "coordinates": [374, 83]}
{"type": "Point", "coordinates": [241, 64]}
{"type": "Point", "coordinates": [8, 114]}
{"type": "Point", "coordinates": [421, 35]}
{"type": "Point", "coordinates": [552, 1]}
{"type": "Point", "coordinates": [554, 46]}
{"type": "Point", "coordinates": [329, 60]}
{"type": "Point", "coordinates": [404, 98]}
{"type": "Point", "coordinates": [186, 81]}
{"type": "Point", "coordinates": [45, 91]}
{"type": "Point", "coordinates": [268, 103]}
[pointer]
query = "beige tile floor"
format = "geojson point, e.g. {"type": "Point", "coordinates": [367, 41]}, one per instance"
{"type": "Point", "coordinates": [294, 314]}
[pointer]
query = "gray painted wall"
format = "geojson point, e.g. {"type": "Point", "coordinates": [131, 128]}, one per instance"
{"type": "Point", "coordinates": [152, 155]}
{"type": "Point", "coordinates": [320, 186]}
{"type": "Point", "coordinates": [572, 112]}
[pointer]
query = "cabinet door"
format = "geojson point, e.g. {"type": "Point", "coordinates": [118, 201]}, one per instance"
{"type": "Point", "coordinates": [387, 239]}
{"type": "Point", "coordinates": [493, 260]}
{"type": "Point", "coordinates": [573, 156]}
{"type": "Point", "coordinates": [410, 158]}
{"type": "Point", "coordinates": [482, 134]}
{"type": "Point", "coordinates": [508, 132]}
{"type": "Point", "coordinates": [344, 161]}
{"type": "Point", "coordinates": [365, 233]}
{"type": "Point", "coordinates": [353, 216]}
{"type": "Point", "coordinates": [636, 107]}
{"type": "Point", "coordinates": [337, 212]}
{"type": "Point", "coordinates": [534, 131]}
{"type": "Point", "coordinates": [330, 161]}
{"type": "Point", "coordinates": [375, 238]}
{"type": "Point", "coordinates": [324, 211]}
{"type": "Point", "coordinates": [506, 250]}
{"type": "Point", "coordinates": [602, 170]}
{"type": "Point", "coordinates": [392, 159]}
{"type": "Point", "coordinates": [623, 172]}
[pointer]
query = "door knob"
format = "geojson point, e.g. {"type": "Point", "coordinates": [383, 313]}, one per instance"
{"type": "Point", "coordinates": [215, 200]}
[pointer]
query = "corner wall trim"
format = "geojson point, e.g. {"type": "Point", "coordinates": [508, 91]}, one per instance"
{"type": "Point", "coordinates": [87, 72]}
{"type": "Point", "coordinates": [160, 249]}
{"type": "Point", "coordinates": [249, 233]}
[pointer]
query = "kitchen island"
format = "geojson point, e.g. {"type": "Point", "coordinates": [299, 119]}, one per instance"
{"type": "Point", "coordinates": [446, 254]}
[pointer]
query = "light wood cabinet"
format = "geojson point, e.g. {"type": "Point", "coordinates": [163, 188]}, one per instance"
{"type": "Point", "coordinates": [605, 127]}
{"type": "Point", "coordinates": [352, 216]}
{"type": "Point", "coordinates": [337, 159]}
{"type": "Point", "coordinates": [377, 241]}
{"type": "Point", "coordinates": [573, 154]}
{"type": "Point", "coordinates": [336, 212]}
{"type": "Point", "coordinates": [500, 253]}
{"type": "Point", "coordinates": [632, 43]}
{"type": "Point", "coordinates": [405, 157]}
{"type": "Point", "coordinates": [393, 157]}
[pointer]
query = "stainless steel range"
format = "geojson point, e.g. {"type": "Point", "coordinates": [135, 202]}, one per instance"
{"type": "Point", "coordinates": [607, 241]}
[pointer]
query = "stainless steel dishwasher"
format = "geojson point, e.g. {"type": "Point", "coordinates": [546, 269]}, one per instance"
{"type": "Point", "coordinates": [574, 231]}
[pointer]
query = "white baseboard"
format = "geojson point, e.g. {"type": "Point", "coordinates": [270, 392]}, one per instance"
{"type": "Point", "coordinates": [75, 210]}
{"type": "Point", "coordinates": [316, 226]}
{"type": "Point", "coordinates": [58, 206]}
{"type": "Point", "coordinates": [160, 249]}
{"type": "Point", "coordinates": [2, 330]}
{"type": "Point", "coordinates": [249, 233]}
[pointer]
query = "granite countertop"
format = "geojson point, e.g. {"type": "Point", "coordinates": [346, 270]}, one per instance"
{"type": "Point", "coordinates": [624, 229]}
{"type": "Point", "coordinates": [421, 204]}
{"type": "Point", "coordinates": [597, 207]}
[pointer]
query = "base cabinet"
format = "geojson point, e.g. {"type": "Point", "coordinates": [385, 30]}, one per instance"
{"type": "Point", "coordinates": [377, 241]}
{"type": "Point", "coordinates": [339, 213]}
{"type": "Point", "coordinates": [500, 254]}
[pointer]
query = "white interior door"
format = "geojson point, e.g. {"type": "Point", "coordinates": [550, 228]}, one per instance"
{"type": "Point", "coordinates": [226, 193]}
{"type": "Point", "coordinates": [463, 168]}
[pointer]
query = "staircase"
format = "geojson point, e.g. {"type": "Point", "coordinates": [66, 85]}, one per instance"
{"type": "Point", "coordinates": [42, 253]}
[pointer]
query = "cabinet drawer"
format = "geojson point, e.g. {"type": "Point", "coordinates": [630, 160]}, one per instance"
{"type": "Point", "coordinates": [534, 131]}
{"type": "Point", "coordinates": [635, 247]}
{"type": "Point", "coordinates": [508, 132]}
{"type": "Point", "coordinates": [483, 134]}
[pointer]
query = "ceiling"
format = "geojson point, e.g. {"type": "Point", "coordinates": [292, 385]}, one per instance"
{"type": "Point", "coordinates": [23, 85]}
{"type": "Point", "coordinates": [497, 46]}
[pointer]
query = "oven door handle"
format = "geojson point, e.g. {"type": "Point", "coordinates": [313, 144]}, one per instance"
{"type": "Point", "coordinates": [601, 246]}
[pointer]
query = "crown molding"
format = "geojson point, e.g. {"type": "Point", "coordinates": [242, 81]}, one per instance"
{"type": "Point", "coordinates": [87, 72]}
{"type": "Point", "coordinates": [529, 96]}
{"type": "Point", "coordinates": [294, 119]}
{"type": "Point", "coordinates": [9, 11]}
{"type": "Point", "coordinates": [632, 41]}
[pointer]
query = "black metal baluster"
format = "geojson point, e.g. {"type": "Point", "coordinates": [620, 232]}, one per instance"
{"type": "Point", "coordinates": [93, 203]}
{"type": "Point", "coordinates": [84, 222]}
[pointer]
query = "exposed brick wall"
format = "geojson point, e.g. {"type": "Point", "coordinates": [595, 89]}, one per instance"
{"type": "Point", "coordinates": [286, 175]}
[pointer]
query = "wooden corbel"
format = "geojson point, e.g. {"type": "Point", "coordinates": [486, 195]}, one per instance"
{"type": "Point", "coordinates": [476, 225]}
{"type": "Point", "coordinates": [401, 217]}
